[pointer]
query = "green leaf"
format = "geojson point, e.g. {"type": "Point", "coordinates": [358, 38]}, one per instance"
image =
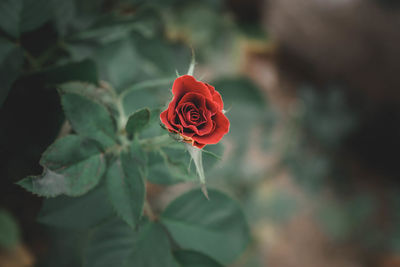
{"type": "Point", "coordinates": [6, 47]}
{"type": "Point", "coordinates": [137, 121]}
{"type": "Point", "coordinates": [187, 258]}
{"type": "Point", "coordinates": [64, 14]}
{"type": "Point", "coordinates": [72, 213]}
{"type": "Point", "coordinates": [216, 228]}
{"type": "Point", "coordinates": [72, 166]}
{"type": "Point", "coordinates": [169, 166]}
{"type": "Point", "coordinates": [152, 248]}
{"type": "Point", "coordinates": [110, 245]}
{"type": "Point", "coordinates": [11, 60]}
{"type": "Point", "coordinates": [9, 230]}
{"type": "Point", "coordinates": [10, 11]}
{"type": "Point", "coordinates": [116, 244]}
{"type": "Point", "coordinates": [84, 71]}
{"type": "Point", "coordinates": [126, 188]}
{"type": "Point", "coordinates": [19, 16]}
{"type": "Point", "coordinates": [89, 118]}
{"type": "Point", "coordinates": [120, 63]}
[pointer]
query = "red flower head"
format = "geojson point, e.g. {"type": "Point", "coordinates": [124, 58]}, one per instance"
{"type": "Point", "coordinates": [195, 112]}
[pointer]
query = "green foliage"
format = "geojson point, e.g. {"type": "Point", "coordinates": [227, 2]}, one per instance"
{"type": "Point", "coordinates": [145, 253]}
{"type": "Point", "coordinates": [137, 121]}
{"type": "Point", "coordinates": [19, 16]}
{"type": "Point", "coordinates": [72, 166]}
{"type": "Point", "coordinates": [110, 244]}
{"type": "Point", "coordinates": [169, 166]}
{"type": "Point", "coordinates": [89, 118]}
{"type": "Point", "coordinates": [196, 224]}
{"type": "Point", "coordinates": [187, 258]}
{"type": "Point", "coordinates": [248, 113]}
{"type": "Point", "coordinates": [9, 231]}
{"type": "Point", "coordinates": [114, 243]}
{"type": "Point", "coordinates": [62, 211]}
{"type": "Point", "coordinates": [126, 188]}
{"type": "Point", "coordinates": [149, 243]}
{"type": "Point", "coordinates": [85, 71]}
{"type": "Point", "coordinates": [112, 130]}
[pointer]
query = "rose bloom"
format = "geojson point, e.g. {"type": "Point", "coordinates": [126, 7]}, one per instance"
{"type": "Point", "coordinates": [195, 112]}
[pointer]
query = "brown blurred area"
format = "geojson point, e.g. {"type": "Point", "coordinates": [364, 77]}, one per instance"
{"type": "Point", "coordinates": [317, 42]}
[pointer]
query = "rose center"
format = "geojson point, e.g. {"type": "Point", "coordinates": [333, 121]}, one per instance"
{"type": "Point", "coordinates": [194, 116]}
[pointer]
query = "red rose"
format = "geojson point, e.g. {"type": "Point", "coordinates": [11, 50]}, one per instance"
{"type": "Point", "coordinates": [195, 112]}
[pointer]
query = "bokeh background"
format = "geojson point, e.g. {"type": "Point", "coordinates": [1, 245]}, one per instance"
{"type": "Point", "coordinates": [311, 88]}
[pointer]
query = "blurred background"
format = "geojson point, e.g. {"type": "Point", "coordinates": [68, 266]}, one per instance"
{"type": "Point", "coordinates": [312, 92]}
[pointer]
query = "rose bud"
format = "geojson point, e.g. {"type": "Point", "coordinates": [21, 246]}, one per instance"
{"type": "Point", "coordinates": [195, 112]}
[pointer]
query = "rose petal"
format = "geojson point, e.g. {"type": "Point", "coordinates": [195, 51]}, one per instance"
{"type": "Point", "coordinates": [198, 145]}
{"type": "Point", "coordinates": [186, 84]}
{"type": "Point", "coordinates": [221, 128]}
{"type": "Point", "coordinates": [216, 97]}
{"type": "Point", "coordinates": [164, 120]}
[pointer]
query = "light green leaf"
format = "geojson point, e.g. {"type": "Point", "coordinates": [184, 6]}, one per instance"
{"type": "Point", "coordinates": [73, 165]}
{"type": "Point", "coordinates": [137, 121]}
{"type": "Point", "coordinates": [72, 213]}
{"type": "Point", "coordinates": [89, 118]}
{"type": "Point", "coordinates": [126, 188]}
{"type": "Point", "coordinates": [216, 228]}
{"type": "Point", "coordinates": [187, 258]}
{"type": "Point", "coordinates": [9, 230]}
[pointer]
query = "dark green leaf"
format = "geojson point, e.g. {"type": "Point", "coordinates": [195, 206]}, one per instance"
{"type": "Point", "coordinates": [9, 231]}
{"type": "Point", "coordinates": [76, 213]}
{"type": "Point", "coordinates": [34, 14]}
{"type": "Point", "coordinates": [126, 188]}
{"type": "Point", "coordinates": [10, 11]}
{"type": "Point", "coordinates": [187, 258]}
{"type": "Point", "coordinates": [84, 71]}
{"type": "Point", "coordinates": [120, 63]}
{"type": "Point", "coordinates": [89, 118]}
{"type": "Point", "coordinates": [110, 245]}
{"type": "Point", "coordinates": [116, 244]}
{"type": "Point", "coordinates": [137, 121]}
{"type": "Point", "coordinates": [73, 165]}
{"type": "Point", "coordinates": [6, 47]}
{"type": "Point", "coordinates": [216, 227]}
{"type": "Point", "coordinates": [18, 16]}
{"type": "Point", "coordinates": [64, 247]}
{"type": "Point", "coordinates": [152, 248]}
{"type": "Point", "coordinates": [64, 14]}
{"type": "Point", "coordinates": [11, 60]}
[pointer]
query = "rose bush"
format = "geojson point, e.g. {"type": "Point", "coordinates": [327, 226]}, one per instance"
{"type": "Point", "coordinates": [195, 112]}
